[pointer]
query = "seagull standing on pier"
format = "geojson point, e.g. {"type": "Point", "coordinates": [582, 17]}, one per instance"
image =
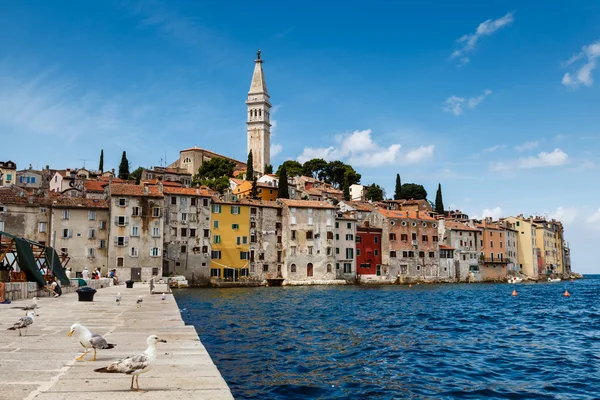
{"type": "Point", "coordinates": [30, 307]}
{"type": "Point", "coordinates": [118, 299]}
{"type": "Point", "coordinates": [139, 301]}
{"type": "Point", "coordinates": [136, 365]}
{"type": "Point", "coordinates": [89, 340]}
{"type": "Point", "coordinates": [163, 297]}
{"type": "Point", "coordinates": [23, 322]}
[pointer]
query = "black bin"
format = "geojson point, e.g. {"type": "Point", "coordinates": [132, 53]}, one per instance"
{"type": "Point", "coordinates": [129, 284]}
{"type": "Point", "coordinates": [86, 293]}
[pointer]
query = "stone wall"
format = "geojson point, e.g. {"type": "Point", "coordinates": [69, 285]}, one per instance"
{"type": "Point", "coordinates": [29, 290]}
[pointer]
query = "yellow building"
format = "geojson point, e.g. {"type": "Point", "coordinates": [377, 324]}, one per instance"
{"type": "Point", "coordinates": [230, 240]}
{"type": "Point", "coordinates": [264, 191]}
{"type": "Point", "coordinates": [526, 244]}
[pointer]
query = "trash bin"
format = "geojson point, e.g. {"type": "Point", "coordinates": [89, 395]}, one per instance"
{"type": "Point", "coordinates": [129, 284]}
{"type": "Point", "coordinates": [86, 293]}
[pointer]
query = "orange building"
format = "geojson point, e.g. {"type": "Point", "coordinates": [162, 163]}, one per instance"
{"type": "Point", "coordinates": [493, 247]}
{"type": "Point", "coordinates": [264, 191]}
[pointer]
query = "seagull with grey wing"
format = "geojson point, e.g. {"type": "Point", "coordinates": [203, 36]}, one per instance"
{"type": "Point", "coordinates": [89, 340]}
{"type": "Point", "coordinates": [30, 307]}
{"type": "Point", "coordinates": [23, 323]}
{"type": "Point", "coordinates": [135, 365]}
{"type": "Point", "coordinates": [139, 301]}
{"type": "Point", "coordinates": [118, 299]}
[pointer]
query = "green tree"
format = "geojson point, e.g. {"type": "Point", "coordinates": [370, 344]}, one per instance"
{"type": "Point", "coordinates": [283, 192]}
{"type": "Point", "coordinates": [137, 175]}
{"type": "Point", "coordinates": [124, 167]}
{"type": "Point", "coordinates": [254, 192]}
{"type": "Point", "coordinates": [413, 191]}
{"type": "Point", "coordinates": [439, 203]}
{"type": "Point", "coordinates": [346, 189]}
{"type": "Point", "coordinates": [398, 191]}
{"type": "Point", "coordinates": [250, 166]}
{"type": "Point", "coordinates": [375, 193]}
{"type": "Point", "coordinates": [215, 174]}
{"type": "Point", "coordinates": [317, 168]}
{"type": "Point", "coordinates": [292, 168]}
{"type": "Point", "coordinates": [336, 172]}
{"type": "Point", "coordinates": [268, 169]}
{"type": "Point", "coordinates": [101, 165]}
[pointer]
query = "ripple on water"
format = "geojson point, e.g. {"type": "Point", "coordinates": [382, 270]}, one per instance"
{"type": "Point", "coordinates": [426, 342]}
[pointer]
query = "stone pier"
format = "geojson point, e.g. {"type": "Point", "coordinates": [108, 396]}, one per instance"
{"type": "Point", "coordinates": [42, 364]}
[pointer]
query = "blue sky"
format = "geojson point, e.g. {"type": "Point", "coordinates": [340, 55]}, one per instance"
{"type": "Point", "coordinates": [498, 101]}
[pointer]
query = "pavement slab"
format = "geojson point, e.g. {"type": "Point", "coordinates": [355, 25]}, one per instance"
{"type": "Point", "coordinates": [41, 364]}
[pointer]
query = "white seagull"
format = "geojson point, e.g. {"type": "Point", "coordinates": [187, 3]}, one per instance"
{"type": "Point", "coordinates": [23, 322]}
{"type": "Point", "coordinates": [89, 340]}
{"type": "Point", "coordinates": [30, 307]}
{"type": "Point", "coordinates": [136, 365]}
{"type": "Point", "coordinates": [118, 299]}
{"type": "Point", "coordinates": [139, 301]}
{"type": "Point", "coordinates": [163, 297]}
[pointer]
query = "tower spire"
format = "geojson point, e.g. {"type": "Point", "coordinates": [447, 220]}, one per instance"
{"type": "Point", "coordinates": [259, 118]}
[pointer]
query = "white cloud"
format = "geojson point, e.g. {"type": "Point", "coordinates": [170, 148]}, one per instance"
{"type": "Point", "coordinates": [585, 165]}
{"type": "Point", "coordinates": [528, 145]}
{"type": "Point", "coordinates": [494, 213]}
{"type": "Point", "coordinates": [553, 159]}
{"type": "Point", "coordinates": [594, 220]}
{"type": "Point", "coordinates": [583, 75]}
{"type": "Point", "coordinates": [359, 149]}
{"type": "Point", "coordinates": [276, 148]}
{"type": "Point", "coordinates": [543, 159]}
{"type": "Point", "coordinates": [455, 104]}
{"type": "Point", "coordinates": [565, 215]}
{"type": "Point", "coordinates": [494, 148]}
{"type": "Point", "coordinates": [486, 28]}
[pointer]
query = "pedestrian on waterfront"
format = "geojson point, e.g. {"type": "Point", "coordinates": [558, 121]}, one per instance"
{"type": "Point", "coordinates": [55, 287]}
{"type": "Point", "coordinates": [85, 274]}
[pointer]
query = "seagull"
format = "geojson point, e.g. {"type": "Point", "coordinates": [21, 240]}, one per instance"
{"type": "Point", "coordinates": [163, 297]}
{"type": "Point", "coordinates": [30, 307]}
{"type": "Point", "coordinates": [139, 301]}
{"type": "Point", "coordinates": [89, 340]}
{"type": "Point", "coordinates": [136, 365]}
{"type": "Point", "coordinates": [118, 299]}
{"type": "Point", "coordinates": [23, 322]}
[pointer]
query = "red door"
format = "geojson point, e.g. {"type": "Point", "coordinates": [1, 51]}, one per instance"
{"type": "Point", "coordinates": [309, 269]}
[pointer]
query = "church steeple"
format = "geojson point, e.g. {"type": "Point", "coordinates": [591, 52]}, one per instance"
{"type": "Point", "coordinates": [259, 121]}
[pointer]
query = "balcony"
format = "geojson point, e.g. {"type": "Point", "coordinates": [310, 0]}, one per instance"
{"type": "Point", "coordinates": [488, 260]}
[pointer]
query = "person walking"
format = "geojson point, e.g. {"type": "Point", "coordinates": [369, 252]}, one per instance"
{"type": "Point", "coordinates": [85, 274]}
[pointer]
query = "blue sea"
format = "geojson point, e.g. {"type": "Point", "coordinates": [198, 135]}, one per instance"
{"type": "Point", "coordinates": [426, 342]}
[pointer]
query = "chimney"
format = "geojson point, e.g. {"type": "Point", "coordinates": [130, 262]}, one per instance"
{"type": "Point", "coordinates": [146, 191]}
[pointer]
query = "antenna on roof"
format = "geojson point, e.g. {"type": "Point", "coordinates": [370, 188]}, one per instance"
{"type": "Point", "coordinates": [84, 160]}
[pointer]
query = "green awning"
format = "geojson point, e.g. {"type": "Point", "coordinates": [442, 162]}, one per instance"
{"type": "Point", "coordinates": [27, 262]}
{"type": "Point", "coordinates": [53, 262]}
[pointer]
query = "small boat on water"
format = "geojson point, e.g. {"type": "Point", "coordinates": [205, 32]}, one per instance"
{"type": "Point", "coordinates": [515, 279]}
{"type": "Point", "coordinates": [554, 280]}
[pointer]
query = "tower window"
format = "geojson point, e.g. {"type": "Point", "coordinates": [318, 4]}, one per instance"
{"type": "Point", "coordinates": [260, 113]}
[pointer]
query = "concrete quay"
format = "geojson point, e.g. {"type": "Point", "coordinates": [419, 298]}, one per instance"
{"type": "Point", "coordinates": [42, 364]}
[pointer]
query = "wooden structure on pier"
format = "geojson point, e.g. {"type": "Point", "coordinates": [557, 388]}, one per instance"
{"type": "Point", "coordinates": [31, 257]}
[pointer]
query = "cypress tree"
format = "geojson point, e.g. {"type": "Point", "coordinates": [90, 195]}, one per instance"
{"type": "Point", "coordinates": [254, 192]}
{"type": "Point", "coordinates": [268, 169]}
{"type": "Point", "coordinates": [101, 165]}
{"type": "Point", "coordinates": [250, 167]}
{"type": "Point", "coordinates": [346, 188]}
{"type": "Point", "coordinates": [124, 167]}
{"type": "Point", "coordinates": [398, 191]}
{"type": "Point", "coordinates": [283, 192]}
{"type": "Point", "coordinates": [439, 203]}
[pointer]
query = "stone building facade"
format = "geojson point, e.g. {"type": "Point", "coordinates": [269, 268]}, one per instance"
{"type": "Point", "coordinates": [266, 239]}
{"type": "Point", "coordinates": [23, 214]}
{"type": "Point", "coordinates": [186, 249]}
{"type": "Point", "coordinates": [345, 247]}
{"type": "Point", "coordinates": [409, 245]}
{"type": "Point", "coordinates": [308, 240]}
{"type": "Point", "coordinates": [136, 231]}
{"type": "Point", "coordinates": [463, 242]}
{"type": "Point", "coordinates": [79, 230]}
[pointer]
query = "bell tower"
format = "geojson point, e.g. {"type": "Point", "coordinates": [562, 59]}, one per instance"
{"type": "Point", "coordinates": [259, 118]}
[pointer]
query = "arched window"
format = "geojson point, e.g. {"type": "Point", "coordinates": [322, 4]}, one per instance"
{"type": "Point", "coordinates": [187, 160]}
{"type": "Point", "coordinates": [293, 268]}
{"type": "Point", "coordinates": [309, 269]}
{"type": "Point", "coordinates": [260, 113]}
